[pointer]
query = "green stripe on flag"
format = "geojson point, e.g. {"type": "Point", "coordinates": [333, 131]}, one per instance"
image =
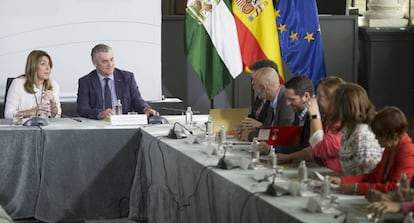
{"type": "Point", "coordinates": [204, 58]}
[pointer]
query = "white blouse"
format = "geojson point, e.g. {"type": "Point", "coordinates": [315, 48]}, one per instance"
{"type": "Point", "coordinates": [360, 153]}
{"type": "Point", "coordinates": [18, 99]}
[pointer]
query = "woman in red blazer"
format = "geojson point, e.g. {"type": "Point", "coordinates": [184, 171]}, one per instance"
{"type": "Point", "coordinates": [390, 127]}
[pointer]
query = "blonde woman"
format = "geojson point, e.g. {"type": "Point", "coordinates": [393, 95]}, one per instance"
{"type": "Point", "coordinates": [34, 93]}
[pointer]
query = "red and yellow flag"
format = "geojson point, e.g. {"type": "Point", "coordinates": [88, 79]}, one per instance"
{"type": "Point", "coordinates": [257, 32]}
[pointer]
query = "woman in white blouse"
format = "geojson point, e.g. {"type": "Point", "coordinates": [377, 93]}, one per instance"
{"type": "Point", "coordinates": [34, 93]}
{"type": "Point", "coordinates": [360, 151]}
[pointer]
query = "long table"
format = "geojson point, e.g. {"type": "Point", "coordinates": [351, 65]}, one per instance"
{"type": "Point", "coordinates": [72, 170]}
{"type": "Point", "coordinates": [67, 170]}
{"type": "Point", "coordinates": [20, 155]}
{"type": "Point", "coordinates": [177, 182]}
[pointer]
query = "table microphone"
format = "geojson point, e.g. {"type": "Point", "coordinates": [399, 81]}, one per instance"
{"type": "Point", "coordinates": [271, 190]}
{"type": "Point", "coordinates": [222, 161]}
{"type": "Point", "coordinates": [36, 121]}
{"type": "Point", "coordinates": [173, 135]}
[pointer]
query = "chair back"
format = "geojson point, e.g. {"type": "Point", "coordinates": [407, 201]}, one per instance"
{"type": "Point", "coordinates": [8, 83]}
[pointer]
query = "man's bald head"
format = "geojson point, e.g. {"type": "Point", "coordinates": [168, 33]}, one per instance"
{"type": "Point", "coordinates": [268, 76]}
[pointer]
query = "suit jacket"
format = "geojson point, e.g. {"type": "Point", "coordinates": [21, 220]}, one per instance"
{"type": "Point", "coordinates": [281, 115]}
{"type": "Point", "coordinates": [90, 100]}
{"type": "Point", "coordinates": [402, 162]}
{"type": "Point", "coordinates": [261, 116]}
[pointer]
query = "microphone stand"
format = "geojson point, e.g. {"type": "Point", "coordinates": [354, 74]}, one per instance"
{"type": "Point", "coordinates": [36, 121]}
{"type": "Point", "coordinates": [173, 135]}
{"type": "Point", "coordinates": [270, 187]}
{"type": "Point", "coordinates": [222, 163]}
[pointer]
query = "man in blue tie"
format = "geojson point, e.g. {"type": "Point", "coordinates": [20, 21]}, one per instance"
{"type": "Point", "coordinates": [99, 90]}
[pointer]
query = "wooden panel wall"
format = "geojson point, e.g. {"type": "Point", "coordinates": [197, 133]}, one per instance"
{"type": "Point", "coordinates": [173, 7]}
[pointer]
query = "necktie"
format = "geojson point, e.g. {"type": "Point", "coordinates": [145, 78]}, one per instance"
{"type": "Point", "coordinates": [107, 94]}
{"type": "Point", "coordinates": [259, 109]}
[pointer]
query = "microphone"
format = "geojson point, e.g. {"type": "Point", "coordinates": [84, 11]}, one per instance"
{"type": "Point", "coordinates": [73, 118]}
{"type": "Point", "coordinates": [178, 110]}
{"type": "Point", "coordinates": [271, 190]}
{"type": "Point", "coordinates": [36, 121]}
{"type": "Point", "coordinates": [266, 177]}
{"type": "Point", "coordinates": [173, 135]}
{"type": "Point", "coordinates": [222, 161]}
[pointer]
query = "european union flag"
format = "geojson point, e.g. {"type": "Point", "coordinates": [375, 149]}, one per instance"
{"type": "Point", "coordinates": [300, 38]}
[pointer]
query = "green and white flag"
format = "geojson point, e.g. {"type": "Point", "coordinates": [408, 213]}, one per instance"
{"type": "Point", "coordinates": [212, 44]}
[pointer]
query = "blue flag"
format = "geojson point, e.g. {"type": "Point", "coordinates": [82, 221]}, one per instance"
{"type": "Point", "coordinates": [300, 38]}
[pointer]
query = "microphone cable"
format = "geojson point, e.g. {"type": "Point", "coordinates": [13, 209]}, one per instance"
{"type": "Point", "coordinates": [245, 204]}
{"type": "Point", "coordinates": [174, 195]}
{"type": "Point", "coordinates": [142, 202]}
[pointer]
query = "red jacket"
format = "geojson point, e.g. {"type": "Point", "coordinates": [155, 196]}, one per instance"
{"type": "Point", "coordinates": [403, 162]}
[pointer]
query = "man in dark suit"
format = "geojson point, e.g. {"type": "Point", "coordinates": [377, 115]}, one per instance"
{"type": "Point", "coordinates": [299, 89]}
{"type": "Point", "coordinates": [260, 105]}
{"type": "Point", "coordinates": [99, 90]}
{"type": "Point", "coordinates": [262, 112]}
{"type": "Point", "coordinates": [266, 85]}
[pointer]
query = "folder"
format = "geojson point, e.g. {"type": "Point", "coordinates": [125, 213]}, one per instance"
{"type": "Point", "coordinates": [229, 118]}
{"type": "Point", "coordinates": [281, 135]}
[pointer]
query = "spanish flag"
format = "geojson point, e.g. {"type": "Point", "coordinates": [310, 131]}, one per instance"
{"type": "Point", "coordinates": [257, 32]}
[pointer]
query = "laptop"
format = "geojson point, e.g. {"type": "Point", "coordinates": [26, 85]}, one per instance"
{"type": "Point", "coordinates": [281, 135]}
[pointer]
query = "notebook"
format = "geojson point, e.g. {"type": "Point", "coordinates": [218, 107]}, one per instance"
{"type": "Point", "coordinates": [281, 135]}
{"type": "Point", "coordinates": [229, 118]}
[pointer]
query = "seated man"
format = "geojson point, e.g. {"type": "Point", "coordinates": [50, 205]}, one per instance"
{"type": "Point", "coordinates": [270, 105]}
{"type": "Point", "coordinates": [260, 107]}
{"type": "Point", "coordinates": [299, 89]}
{"type": "Point", "coordinates": [99, 90]}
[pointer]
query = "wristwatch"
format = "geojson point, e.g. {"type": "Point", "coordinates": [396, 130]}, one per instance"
{"type": "Point", "coordinates": [315, 117]}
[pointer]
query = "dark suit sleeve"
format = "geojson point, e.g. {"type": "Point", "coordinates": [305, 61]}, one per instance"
{"type": "Point", "coordinates": [138, 103]}
{"type": "Point", "coordinates": [84, 100]}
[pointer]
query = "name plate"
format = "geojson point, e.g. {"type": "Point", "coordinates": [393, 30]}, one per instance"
{"type": "Point", "coordinates": [139, 119]}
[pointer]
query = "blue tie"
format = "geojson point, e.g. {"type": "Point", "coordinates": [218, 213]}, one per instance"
{"type": "Point", "coordinates": [107, 94]}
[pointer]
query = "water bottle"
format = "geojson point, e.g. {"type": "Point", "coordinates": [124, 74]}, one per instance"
{"type": "Point", "coordinates": [409, 218]}
{"type": "Point", "coordinates": [303, 175]}
{"type": "Point", "coordinates": [302, 171]}
{"type": "Point", "coordinates": [189, 117]}
{"type": "Point", "coordinates": [325, 188]}
{"type": "Point", "coordinates": [209, 125]}
{"type": "Point", "coordinates": [254, 149]}
{"type": "Point", "coordinates": [325, 194]}
{"type": "Point", "coordinates": [222, 135]}
{"type": "Point", "coordinates": [272, 159]}
{"type": "Point", "coordinates": [118, 107]}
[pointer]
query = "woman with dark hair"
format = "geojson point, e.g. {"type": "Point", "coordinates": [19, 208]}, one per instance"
{"type": "Point", "coordinates": [390, 127]}
{"type": "Point", "coordinates": [34, 93]}
{"type": "Point", "coordinates": [360, 151]}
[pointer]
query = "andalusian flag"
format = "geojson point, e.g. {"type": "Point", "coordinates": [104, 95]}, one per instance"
{"type": "Point", "coordinates": [212, 44]}
{"type": "Point", "coordinates": [300, 38]}
{"type": "Point", "coordinates": [257, 32]}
